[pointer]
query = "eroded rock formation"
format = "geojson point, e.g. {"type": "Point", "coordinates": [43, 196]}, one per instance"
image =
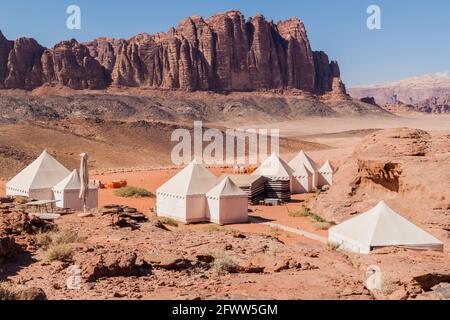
{"type": "Point", "coordinates": [223, 53]}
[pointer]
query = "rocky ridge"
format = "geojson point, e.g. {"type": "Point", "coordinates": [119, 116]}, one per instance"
{"type": "Point", "coordinates": [226, 52]}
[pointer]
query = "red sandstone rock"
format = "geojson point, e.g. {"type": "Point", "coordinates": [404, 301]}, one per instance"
{"type": "Point", "coordinates": [223, 53]}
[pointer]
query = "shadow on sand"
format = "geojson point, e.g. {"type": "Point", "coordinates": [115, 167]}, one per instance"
{"type": "Point", "coordinates": [13, 266]}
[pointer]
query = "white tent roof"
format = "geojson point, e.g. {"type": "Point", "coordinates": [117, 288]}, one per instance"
{"type": "Point", "coordinates": [226, 188]}
{"type": "Point", "coordinates": [381, 226]}
{"type": "Point", "coordinates": [192, 180]}
{"type": "Point", "coordinates": [302, 160]}
{"type": "Point", "coordinates": [302, 171]}
{"type": "Point", "coordinates": [71, 182]}
{"type": "Point", "coordinates": [327, 167]}
{"type": "Point", "coordinates": [274, 167]}
{"type": "Point", "coordinates": [43, 173]}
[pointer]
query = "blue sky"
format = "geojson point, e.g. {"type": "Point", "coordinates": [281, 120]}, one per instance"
{"type": "Point", "coordinates": [414, 38]}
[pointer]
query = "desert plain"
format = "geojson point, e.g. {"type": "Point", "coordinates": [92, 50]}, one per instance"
{"type": "Point", "coordinates": [279, 254]}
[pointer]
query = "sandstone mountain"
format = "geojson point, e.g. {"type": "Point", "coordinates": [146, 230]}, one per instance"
{"type": "Point", "coordinates": [226, 52]}
{"type": "Point", "coordinates": [428, 93]}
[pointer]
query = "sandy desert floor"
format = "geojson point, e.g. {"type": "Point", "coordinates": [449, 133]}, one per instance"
{"type": "Point", "coordinates": [336, 276]}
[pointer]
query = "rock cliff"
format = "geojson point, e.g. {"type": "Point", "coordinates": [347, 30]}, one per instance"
{"type": "Point", "coordinates": [226, 52]}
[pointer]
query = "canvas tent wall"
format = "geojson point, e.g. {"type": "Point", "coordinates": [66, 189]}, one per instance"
{"type": "Point", "coordinates": [279, 174]}
{"type": "Point", "coordinates": [183, 197]}
{"type": "Point", "coordinates": [253, 185]}
{"type": "Point", "coordinates": [302, 181]}
{"type": "Point", "coordinates": [326, 175]}
{"type": "Point", "coordinates": [299, 163]}
{"type": "Point", "coordinates": [67, 193]}
{"type": "Point", "coordinates": [37, 180]}
{"type": "Point", "coordinates": [381, 227]}
{"type": "Point", "coordinates": [227, 203]}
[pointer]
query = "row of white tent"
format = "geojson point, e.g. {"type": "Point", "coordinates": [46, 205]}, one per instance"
{"type": "Point", "coordinates": [196, 195]}
{"type": "Point", "coordinates": [303, 173]}
{"type": "Point", "coordinates": [47, 179]}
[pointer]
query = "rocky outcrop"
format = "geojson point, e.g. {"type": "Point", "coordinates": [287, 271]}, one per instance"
{"type": "Point", "coordinates": [23, 67]}
{"type": "Point", "coordinates": [326, 72]}
{"type": "Point", "coordinates": [5, 49]}
{"type": "Point", "coordinates": [223, 53]}
{"type": "Point", "coordinates": [70, 64]}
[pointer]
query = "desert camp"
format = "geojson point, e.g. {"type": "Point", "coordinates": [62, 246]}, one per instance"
{"type": "Point", "coordinates": [241, 152]}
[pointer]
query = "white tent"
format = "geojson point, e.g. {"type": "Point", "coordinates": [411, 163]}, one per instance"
{"type": "Point", "coordinates": [183, 197]}
{"type": "Point", "coordinates": [326, 175]}
{"type": "Point", "coordinates": [36, 180]}
{"type": "Point", "coordinates": [381, 227]}
{"type": "Point", "coordinates": [302, 182]}
{"type": "Point", "coordinates": [67, 193]}
{"type": "Point", "coordinates": [274, 168]}
{"type": "Point", "coordinates": [227, 203]}
{"type": "Point", "coordinates": [302, 161]}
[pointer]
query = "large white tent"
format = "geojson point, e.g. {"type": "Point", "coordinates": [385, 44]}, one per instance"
{"type": "Point", "coordinates": [183, 196]}
{"type": "Point", "coordinates": [298, 164]}
{"type": "Point", "coordinates": [37, 180]}
{"type": "Point", "coordinates": [227, 203]}
{"type": "Point", "coordinates": [67, 193]}
{"type": "Point", "coordinates": [381, 227]}
{"type": "Point", "coordinates": [326, 175]}
{"type": "Point", "coordinates": [274, 168]}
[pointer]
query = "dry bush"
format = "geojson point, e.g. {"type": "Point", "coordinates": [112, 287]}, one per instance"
{"type": "Point", "coordinates": [47, 239]}
{"type": "Point", "coordinates": [298, 214]}
{"type": "Point", "coordinates": [388, 285]}
{"type": "Point", "coordinates": [332, 246]}
{"type": "Point", "coordinates": [43, 239]}
{"type": "Point", "coordinates": [59, 252]}
{"type": "Point", "coordinates": [322, 225]}
{"type": "Point", "coordinates": [168, 221]}
{"type": "Point", "coordinates": [223, 263]}
{"type": "Point", "coordinates": [275, 231]}
{"type": "Point", "coordinates": [214, 228]}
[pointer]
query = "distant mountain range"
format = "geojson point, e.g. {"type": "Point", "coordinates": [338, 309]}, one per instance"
{"type": "Point", "coordinates": [427, 93]}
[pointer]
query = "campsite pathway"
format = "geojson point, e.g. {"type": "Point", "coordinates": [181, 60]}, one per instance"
{"type": "Point", "coordinates": [296, 231]}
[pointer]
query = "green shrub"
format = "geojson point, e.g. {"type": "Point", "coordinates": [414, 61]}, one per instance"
{"type": "Point", "coordinates": [306, 212]}
{"type": "Point", "coordinates": [299, 214]}
{"type": "Point", "coordinates": [133, 192]}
